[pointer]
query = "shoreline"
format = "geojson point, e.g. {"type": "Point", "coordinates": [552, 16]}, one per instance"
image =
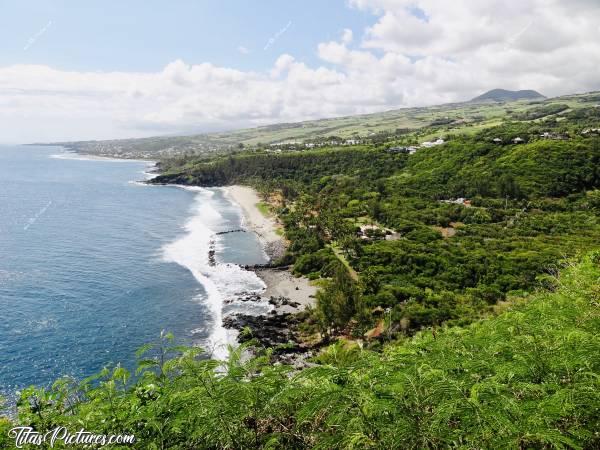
{"type": "Point", "coordinates": [90, 156]}
{"type": "Point", "coordinates": [288, 294]}
{"type": "Point", "coordinates": [76, 156]}
{"type": "Point", "coordinates": [252, 218]}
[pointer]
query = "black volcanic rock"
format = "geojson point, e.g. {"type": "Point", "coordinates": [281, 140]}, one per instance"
{"type": "Point", "coordinates": [270, 331]}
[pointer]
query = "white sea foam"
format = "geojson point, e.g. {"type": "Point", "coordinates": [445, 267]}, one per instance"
{"type": "Point", "coordinates": [221, 281]}
{"type": "Point", "coordinates": [149, 175]}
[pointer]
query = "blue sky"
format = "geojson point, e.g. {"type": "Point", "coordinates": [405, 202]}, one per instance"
{"type": "Point", "coordinates": [147, 35]}
{"type": "Point", "coordinates": [76, 70]}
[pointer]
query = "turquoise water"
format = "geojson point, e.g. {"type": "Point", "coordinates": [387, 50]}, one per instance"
{"type": "Point", "coordinates": [93, 265]}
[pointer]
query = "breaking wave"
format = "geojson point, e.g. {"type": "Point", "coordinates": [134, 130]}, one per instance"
{"type": "Point", "coordinates": [221, 281]}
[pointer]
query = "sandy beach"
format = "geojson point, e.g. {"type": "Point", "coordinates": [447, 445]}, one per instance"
{"type": "Point", "coordinates": [254, 220]}
{"type": "Point", "coordinates": [280, 283]}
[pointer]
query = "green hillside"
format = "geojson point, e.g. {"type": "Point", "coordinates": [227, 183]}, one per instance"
{"type": "Point", "coordinates": [440, 319]}
{"type": "Point", "coordinates": [458, 227]}
{"type": "Point", "coordinates": [417, 124]}
{"type": "Point", "coordinates": [525, 379]}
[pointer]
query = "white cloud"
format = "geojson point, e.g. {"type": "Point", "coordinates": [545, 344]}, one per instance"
{"type": "Point", "coordinates": [416, 52]}
{"type": "Point", "coordinates": [347, 36]}
{"type": "Point", "coordinates": [243, 50]}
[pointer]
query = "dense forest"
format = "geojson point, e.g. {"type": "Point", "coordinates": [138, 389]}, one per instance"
{"type": "Point", "coordinates": [457, 305]}
{"type": "Point", "coordinates": [440, 236]}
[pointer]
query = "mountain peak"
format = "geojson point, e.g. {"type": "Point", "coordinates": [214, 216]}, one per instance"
{"type": "Point", "coordinates": [503, 95]}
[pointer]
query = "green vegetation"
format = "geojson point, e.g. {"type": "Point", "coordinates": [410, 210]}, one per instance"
{"type": "Point", "coordinates": [541, 111]}
{"type": "Point", "coordinates": [469, 167]}
{"type": "Point", "coordinates": [297, 169]}
{"type": "Point", "coordinates": [525, 379]}
{"type": "Point", "coordinates": [530, 205]}
{"type": "Point", "coordinates": [5, 426]}
{"type": "Point", "coordinates": [445, 322]}
{"type": "Point", "coordinates": [263, 208]}
{"type": "Point", "coordinates": [378, 128]}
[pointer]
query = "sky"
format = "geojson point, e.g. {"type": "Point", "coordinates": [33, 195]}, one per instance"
{"type": "Point", "coordinates": [73, 70]}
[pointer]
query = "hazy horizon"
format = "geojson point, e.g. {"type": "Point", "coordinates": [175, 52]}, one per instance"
{"type": "Point", "coordinates": [103, 70]}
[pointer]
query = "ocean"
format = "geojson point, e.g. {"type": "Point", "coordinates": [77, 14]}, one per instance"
{"type": "Point", "coordinates": [94, 264]}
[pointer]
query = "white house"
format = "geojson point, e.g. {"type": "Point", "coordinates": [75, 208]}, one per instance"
{"type": "Point", "coordinates": [432, 144]}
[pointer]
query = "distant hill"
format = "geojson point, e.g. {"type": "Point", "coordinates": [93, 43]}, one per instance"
{"type": "Point", "coordinates": [503, 95]}
{"type": "Point", "coordinates": [421, 123]}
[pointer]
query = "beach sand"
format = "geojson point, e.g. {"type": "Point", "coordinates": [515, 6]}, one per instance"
{"type": "Point", "coordinates": [248, 199]}
{"type": "Point", "coordinates": [280, 283]}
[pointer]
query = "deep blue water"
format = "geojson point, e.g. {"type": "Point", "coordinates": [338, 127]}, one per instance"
{"type": "Point", "coordinates": [92, 266]}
